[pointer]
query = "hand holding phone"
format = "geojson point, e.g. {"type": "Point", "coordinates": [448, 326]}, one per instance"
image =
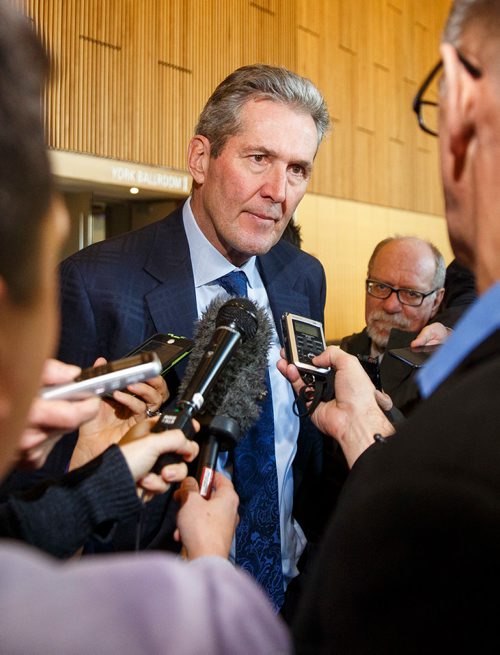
{"type": "Point", "coordinates": [100, 380]}
{"type": "Point", "coordinates": [414, 357]}
{"type": "Point", "coordinates": [48, 421]}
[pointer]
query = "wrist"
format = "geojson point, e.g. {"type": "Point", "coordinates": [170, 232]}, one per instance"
{"type": "Point", "coordinates": [206, 550]}
{"type": "Point", "coordinates": [360, 434]}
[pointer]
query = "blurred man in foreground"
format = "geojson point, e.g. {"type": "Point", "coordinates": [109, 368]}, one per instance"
{"type": "Point", "coordinates": [131, 604]}
{"type": "Point", "coordinates": [404, 288]}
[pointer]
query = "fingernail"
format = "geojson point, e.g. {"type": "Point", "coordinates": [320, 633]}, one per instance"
{"type": "Point", "coordinates": [170, 474]}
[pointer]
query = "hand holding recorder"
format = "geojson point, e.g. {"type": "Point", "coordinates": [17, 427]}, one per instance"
{"type": "Point", "coordinates": [354, 417]}
{"type": "Point", "coordinates": [141, 449]}
{"type": "Point", "coordinates": [206, 527]}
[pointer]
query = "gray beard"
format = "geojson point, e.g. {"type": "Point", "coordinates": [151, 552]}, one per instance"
{"type": "Point", "coordinates": [381, 337]}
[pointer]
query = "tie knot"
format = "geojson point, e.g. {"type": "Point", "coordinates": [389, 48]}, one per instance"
{"type": "Point", "coordinates": [235, 283]}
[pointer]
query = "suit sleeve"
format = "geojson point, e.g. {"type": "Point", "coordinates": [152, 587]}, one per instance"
{"type": "Point", "coordinates": [79, 339]}
{"type": "Point", "coordinates": [59, 515]}
{"type": "Point", "coordinates": [134, 604]}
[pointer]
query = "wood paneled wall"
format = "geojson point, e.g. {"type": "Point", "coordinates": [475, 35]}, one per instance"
{"type": "Point", "coordinates": [368, 57]}
{"type": "Point", "coordinates": [130, 77]}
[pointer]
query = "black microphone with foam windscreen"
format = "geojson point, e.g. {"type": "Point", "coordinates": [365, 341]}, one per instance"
{"type": "Point", "coordinates": [232, 406]}
{"type": "Point", "coordinates": [225, 372]}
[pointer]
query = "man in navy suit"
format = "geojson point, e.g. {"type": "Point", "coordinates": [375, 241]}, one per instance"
{"type": "Point", "coordinates": [251, 159]}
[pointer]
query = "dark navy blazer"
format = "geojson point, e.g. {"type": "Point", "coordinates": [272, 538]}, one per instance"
{"type": "Point", "coordinates": [116, 293]}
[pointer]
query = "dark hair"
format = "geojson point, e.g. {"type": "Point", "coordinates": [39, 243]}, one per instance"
{"type": "Point", "coordinates": [25, 181]}
{"type": "Point", "coordinates": [292, 234]}
{"type": "Point", "coordinates": [220, 117]}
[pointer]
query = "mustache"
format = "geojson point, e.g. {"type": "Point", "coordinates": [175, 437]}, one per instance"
{"type": "Point", "coordinates": [392, 320]}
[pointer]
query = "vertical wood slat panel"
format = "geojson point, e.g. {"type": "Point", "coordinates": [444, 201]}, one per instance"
{"type": "Point", "coordinates": [375, 134]}
{"type": "Point", "coordinates": [111, 96]}
{"type": "Point", "coordinates": [110, 85]}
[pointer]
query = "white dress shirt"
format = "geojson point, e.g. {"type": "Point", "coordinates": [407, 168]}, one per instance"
{"type": "Point", "coordinates": [209, 265]}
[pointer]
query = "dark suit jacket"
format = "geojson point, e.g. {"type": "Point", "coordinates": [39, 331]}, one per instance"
{"type": "Point", "coordinates": [117, 293]}
{"type": "Point", "coordinates": [410, 561]}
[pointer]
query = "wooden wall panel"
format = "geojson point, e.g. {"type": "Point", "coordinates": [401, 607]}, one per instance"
{"type": "Point", "coordinates": [373, 54]}
{"type": "Point", "coordinates": [132, 75]}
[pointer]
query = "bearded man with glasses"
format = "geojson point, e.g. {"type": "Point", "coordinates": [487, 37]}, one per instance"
{"type": "Point", "coordinates": [404, 289]}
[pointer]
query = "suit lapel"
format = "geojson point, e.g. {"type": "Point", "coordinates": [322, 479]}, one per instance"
{"type": "Point", "coordinates": [172, 304]}
{"type": "Point", "coordinates": [279, 281]}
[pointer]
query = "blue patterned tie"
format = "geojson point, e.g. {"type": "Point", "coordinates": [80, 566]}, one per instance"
{"type": "Point", "coordinates": [258, 544]}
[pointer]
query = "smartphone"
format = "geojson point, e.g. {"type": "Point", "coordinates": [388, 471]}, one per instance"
{"type": "Point", "coordinates": [304, 339]}
{"type": "Point", "coordinates": [170, 349]}
{"type": "Point", "coordinates": [104, 379]}
{"type": "Point", "coordinates": [414, 357]}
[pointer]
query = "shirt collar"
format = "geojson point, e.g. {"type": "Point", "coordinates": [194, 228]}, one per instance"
{"type": "Point", "coordinates": [207, 262]}
{"type": "Point", "coordinates": [474, 327]}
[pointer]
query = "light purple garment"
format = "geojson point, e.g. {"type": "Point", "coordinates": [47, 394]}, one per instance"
{"type": "Point", "coordinates": [149, 603]}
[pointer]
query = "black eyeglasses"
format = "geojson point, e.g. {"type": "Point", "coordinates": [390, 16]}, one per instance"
{"type": "Point", "coordinates": [409, 297]}
{"type": "Point", "coordinates": [426, 110]}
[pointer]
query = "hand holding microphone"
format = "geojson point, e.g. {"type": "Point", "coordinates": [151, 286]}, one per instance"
{"type": "Point", "coordinates": [225, 376]}
{"type": "Point", "coordinates": [232, 349]}
{"type": "Point", "coordinates": [206, 528]}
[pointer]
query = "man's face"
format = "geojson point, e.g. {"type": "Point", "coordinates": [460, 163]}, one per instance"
{"type": "Point", "coordinates": [401, 264]}
{"type": "Point", "coordinates": [29, 332]}
{"type": "Point", "coordinates": [457, 189]}
{"type": "Point", "coordinates": [244, 198]}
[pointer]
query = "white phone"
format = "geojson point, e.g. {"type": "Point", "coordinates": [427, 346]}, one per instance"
{"type": "Point", "coordinates": [100, 380]}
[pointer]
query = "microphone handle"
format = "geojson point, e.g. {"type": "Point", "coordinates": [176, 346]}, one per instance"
{"type": "Point", "coordinates": [170, 421]}
{"type": "Point", "coordinates": [224, 342]}
{"type": "Point", "coordinates": [207, 463]}
{"type": "Point", "coordinates": [221, 434]}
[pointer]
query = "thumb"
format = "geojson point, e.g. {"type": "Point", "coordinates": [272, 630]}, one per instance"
{"type": "Point", "coordinates": [188, 485]}
{"type": "Point", "coordinates": [138, 431]}
{"type": "Point", "coordinates": [384, 401]}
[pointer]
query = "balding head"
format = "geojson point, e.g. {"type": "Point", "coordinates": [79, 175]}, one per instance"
{"type": "Point", "coordinates": [402, 263]}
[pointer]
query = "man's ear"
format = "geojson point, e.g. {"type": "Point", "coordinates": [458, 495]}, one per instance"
{"type": "Point", "coordinates": [458, 99]}
{"type": "Point", "coordinates": [198, 157]}
{"type": "Point", "coordinates": [438, 298]}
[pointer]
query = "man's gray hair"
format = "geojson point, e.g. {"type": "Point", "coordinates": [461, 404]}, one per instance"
{"type": "Point", "coordinates": [439, 275]}
{"type": "Point", "coordinates": [465, 12]}
{"type": "Point", "coordinates": [220, 118]}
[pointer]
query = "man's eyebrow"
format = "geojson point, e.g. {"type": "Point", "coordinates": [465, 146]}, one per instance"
{"type": "Point", "coordinates": [263, 150]}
